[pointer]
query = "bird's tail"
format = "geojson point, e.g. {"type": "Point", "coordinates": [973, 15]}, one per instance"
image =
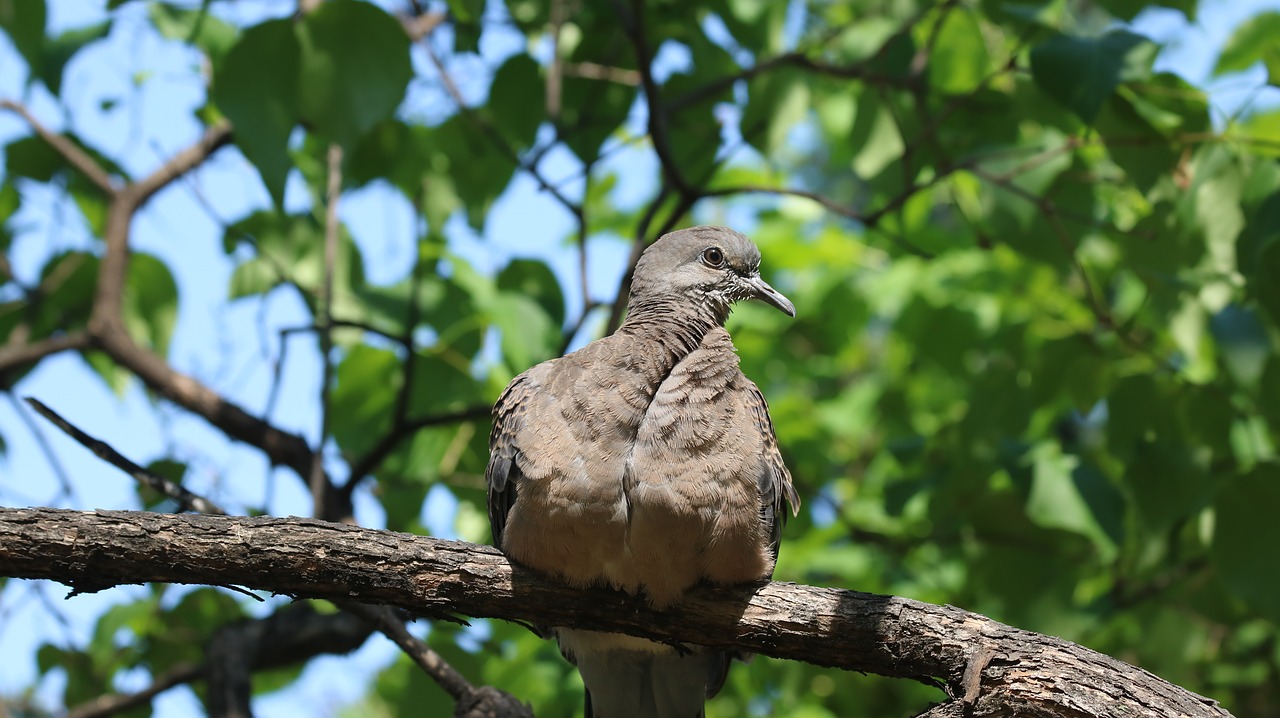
{"type": "Point", "coordinates": [630, 684]}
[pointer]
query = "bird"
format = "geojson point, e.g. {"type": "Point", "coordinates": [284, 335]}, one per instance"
{"type": "Point", "coordinates": [646, 461]}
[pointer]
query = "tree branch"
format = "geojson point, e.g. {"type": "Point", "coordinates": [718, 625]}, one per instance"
{"type": "Point", "coordinates": [469, 701]}
{"type": "Point", "coordinates": [185, 498]}
{"type": "Point", "coordinates": [13, 356]}
{"type": "Point", "coordinates": [281, 447]}
{"type": "Point", "coordinates": [112, 703]}
{"type": "Point", "coordinates": [214, 138]}
{"type": "Point", "coordinates": [70, 151]}
{"type": "Point", "coordinates": [1025, 673]}
{"type": "Point", "coordinates": [317, 481]}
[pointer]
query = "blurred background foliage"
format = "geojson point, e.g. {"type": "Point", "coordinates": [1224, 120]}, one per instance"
{"type": "Point", "coordinates": [1034, 371]}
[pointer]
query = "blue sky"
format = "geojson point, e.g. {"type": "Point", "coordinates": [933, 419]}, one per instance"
{"type": "Point", "coordinates": [154, 85]}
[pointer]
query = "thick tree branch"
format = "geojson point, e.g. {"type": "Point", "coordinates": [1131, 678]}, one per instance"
{"type": "Point", "coordinates": [1026, 674]}
{"type": "Point", "coordinates": [281, 447]}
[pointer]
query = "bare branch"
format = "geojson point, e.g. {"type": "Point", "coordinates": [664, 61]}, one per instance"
{"type": "Point", "coordinates": [65, 488]}
{"type": "Point", "coordinates": [110, 704]}
{"type": "Point", "coordinates": [281, 447]}
{"type": "Point", "coordinates": [70, 151]}
{"type": "Point", "coordinates": [1026, 673]}
{"type": "Point", "coordinates": [370, 462]}
{"type": "Point", "coordinates": [13, 356]}
{"type": "Point", "coordinates": [317, 480]}
{"type": "Point", "coordinates": [214, 138]}
{"type": "Point", "coordinates": [633, 24]}
{"type": "Point", "coordinates": [469, 700]}
{"type": "Point", "coordinates": [555, 73]}
{"type": "Point", "coordinates": [420, 25]}
{"type": "Point", "coordinates": [496, 138]}
{"type": "Point", "coordinates": [186, 499]}
{"type": "Point", "coordinates": [596, 71]}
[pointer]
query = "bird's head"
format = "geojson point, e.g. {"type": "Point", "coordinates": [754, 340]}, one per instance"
{"type": "Point", "coordinates": [710, 267]}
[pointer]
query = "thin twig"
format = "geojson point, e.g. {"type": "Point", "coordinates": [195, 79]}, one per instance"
{"type": "Point", "coordinates": [215, 137]}
{"type": "Point", "coordinates": [369, 463]}
{"type": "Point", "coordinates": [17, 355]}
{"type": "Point", "coordinates": [68, 149]}
{"type": "Point", "coordinates": [495, 137]}
{"type": "Point", "coordinates": [555, 73]}
{"type": "Point", "coordinates": [187, 500]}
{"type": "Point", "coordinates": [319, 484]}
{"type": "Point", "coordinates": [112, 704]}
{"type": "Point", "coordinates": [596, 71]}
{"type": "Point", "coordinates": [384, 619]}
{"type": "Point", "coordinates": [633, 25]}
{"type": "Point", "coordinates": [51, 456]}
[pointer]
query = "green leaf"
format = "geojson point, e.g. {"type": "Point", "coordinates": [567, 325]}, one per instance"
{"type": "Point", "coordinates": [592, 110]}
{"type": "Point", "coordinates": [1081, 73]}
{"type": "Point", "coordinates": [694, 137]}
{"type": "Point", "coordinates": [875, 137]}
{"type": "Point", "coordinates": [476, 170]}
{"type": "Point", "coordinates": [517, 100]}
{"type": "Point", "coordinates": [153, 500]}
{"type": "Point", "coordinates": [1267, 280]}
{"type": "Point", "coordinates": [367, 381]}
{"type": "Point", "coordinates": [1253, 41]}
{"type": "Point", "coordinates": [467, 25]}
{"type": "Point", "coordinates": [348, 87]}
{"type": "Point", "coordinates": [150, 302]}
{"type": "Point", "coordinates": [394, 151]}
{"type": "Point", "coordinates": [59, 51]}
{"type": "Point", "coordinates": [1245, 536]}
{"type": "Point", "coordinates": [198, 26]}
{"type": "Point", "coordinates": [33, 158]}
{"type": "Point", "coordinates": [959, 61]}
{"type": "Point", "coordinates": [256, 87]}
{"type": "Point", "coordinates": [1127, 10]}
{"type": "Point", "coordinates": [1166, 484]}
{"type": "Point", "coordinates": [1146, 160]}
{"type": "Point", "coordinates": [776, 102]}
{"type": "Point", "coordinates": [1058, 499]}
{"type": "Point", "coordinates": [24, 21]}
{"type": "Point", "coordinates": [528, 334]}
{"type": "Point", "coordinates": [290, 248]}
{"type": "Point", "coordinates": [535, 280]}
{"type": "Point", "coordinates": [755, 23]}
{"type": "Point", "coordinates": [450, 386]}
{"type": "Point", "coordinates": [67, 283]}
{"type": "Point", "coordinates": [1244, 342]}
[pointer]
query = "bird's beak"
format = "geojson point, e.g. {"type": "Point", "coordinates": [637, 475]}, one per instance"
{"type": "Point", "coordinates": [769, 295]}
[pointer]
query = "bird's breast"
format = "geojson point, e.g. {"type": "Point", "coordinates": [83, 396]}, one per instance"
{"type": "Point", "coordinates": [650, 489]}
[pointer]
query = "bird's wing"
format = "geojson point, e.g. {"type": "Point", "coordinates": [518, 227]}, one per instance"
{"type": "Point", "coordinates": [502, 476]}
{"type": "Point", "coordinates": [776, 489]}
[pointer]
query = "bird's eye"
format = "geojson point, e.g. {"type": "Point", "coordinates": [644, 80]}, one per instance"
{"type": "Point", "coordinates": [713, 257]}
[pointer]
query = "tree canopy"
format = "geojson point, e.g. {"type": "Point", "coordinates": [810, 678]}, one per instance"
{"type": "Point", "coordinates": [1035, 370]}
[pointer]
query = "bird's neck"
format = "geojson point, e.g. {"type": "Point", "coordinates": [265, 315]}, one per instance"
{"type": "Point", "coordinates": [677, 326]}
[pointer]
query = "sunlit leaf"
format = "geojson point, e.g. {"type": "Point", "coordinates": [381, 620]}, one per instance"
{"type": "Point", "coordinates": [256, 87]}
{"type": "Point", "coordinates": [346, 88]}
{"type": "Point", "coordinates": [1253, 41]}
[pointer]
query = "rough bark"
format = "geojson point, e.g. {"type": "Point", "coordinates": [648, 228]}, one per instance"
{"type": "Point", "coordinates": [988, 668]}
